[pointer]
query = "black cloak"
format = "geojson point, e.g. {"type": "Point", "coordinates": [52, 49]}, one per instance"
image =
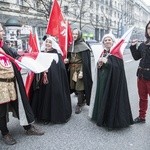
{"type": "Point", "coordinates": [52, 102]}
{"type": "Point", "coordinates": [112, 107]}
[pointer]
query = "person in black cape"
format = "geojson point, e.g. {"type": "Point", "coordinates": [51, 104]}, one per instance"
{"type": "Point", "coordinates": [13, 96]}
{"type": "Point", "coordinates": [79, 70]}
{"type": "Point", "coordinates": [51, 101]}
{"type": "Point", "coordinates": [110, 107]}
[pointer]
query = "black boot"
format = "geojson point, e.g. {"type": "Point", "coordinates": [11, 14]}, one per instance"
{"type": "Point", "coordinates": [81, 102]}
{"type": "Point", "coordinates": [8, 139]}
{"type": "Point", "coordinates": [78, 109]}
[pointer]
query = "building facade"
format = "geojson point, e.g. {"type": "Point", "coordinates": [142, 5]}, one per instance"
{"type": "Point", "coordinates": [93, 17]}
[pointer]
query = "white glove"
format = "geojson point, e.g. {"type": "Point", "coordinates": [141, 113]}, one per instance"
{"type": "Point", "coordinates": [104, 60]}
{"type": "Point", "coordinates": [66, 60]}
{"type": "Point", "coordinates": [80, 76]}
{"type": "Point", "coordinates": [101, 61]}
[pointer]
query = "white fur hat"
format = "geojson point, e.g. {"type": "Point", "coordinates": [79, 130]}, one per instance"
{"type": "Point", "coordinates": [109, 35]}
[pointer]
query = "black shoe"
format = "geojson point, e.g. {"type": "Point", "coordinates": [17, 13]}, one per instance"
{"type": "Point", "coordinates": [34, 131]}
{"type": "Point", "coordinates": [139, 120]}
{"type": "Point", "coordinates": [109, 129]}
{"type": "Point", "coordinates": [46, 122]}
{"type": "Point", "coordinates": [8, 139]}
{"type": "Point", "coordinates": [78, 109]}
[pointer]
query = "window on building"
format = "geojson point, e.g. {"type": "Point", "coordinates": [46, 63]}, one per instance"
{"type": "Point", "coordinates": [115, 14]}
{"type": "Point", "coordinates": [97, 18]}
{"type": "Point", "coordinates": [80, 1]}
{"type": "Point", "coordinates": [75, 12]}
{"type": "Point", "coordinates": [102, 19]}
{"type": "Point", "coordinates": [91, 4]}
{"type": "Point", "coordinates": [102, 9]}
{"type": "Point", "coordinates": [120, 7]}
{"type": "Point", "coordinates": [66, 10]}
{"type": "Point", "coordinates": [115, 23]}
{"type": "Point", "coordinates": [91, 16]}
{"type": "Point", "coordinates": [110, 22]}
{"type": "Point", "coordinates": [106, 2]}
{"type": "Point", "coordinates": [111, 12]}
{"type": "Point", "coordinates": [97, 7]}
{"type": "Point", "coordinates": [115, 4]}
{"type": "Point", "coordinates": [102, 1]}
{"type": "Point", "coordinates": [20, 2]}
{"type": "Point", "coordinates": [106, 22]}
{"type": "Point", "coordinates": [111, 3]}
{"type": "Point", "coordinates": [106, 10]}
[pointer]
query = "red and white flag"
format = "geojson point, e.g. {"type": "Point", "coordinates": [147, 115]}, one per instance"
{"type": "Point", "coordinates": [118, 49]}
{"type": "Point", "coordinates": [58, 27]}
{"type": "Point", "coordinates": [36, 62]}
{"type": "Point", "coordinates": [56, 20]}
{"type": "Point", "coordinates": [33, 61]}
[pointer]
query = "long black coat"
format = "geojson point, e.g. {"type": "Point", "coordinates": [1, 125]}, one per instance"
{"type": "Point", "coordinates": [52, 102]}
{"type": "Point", "coordinates": [112, 107]}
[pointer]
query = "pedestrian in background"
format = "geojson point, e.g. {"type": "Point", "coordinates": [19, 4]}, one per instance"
{"type": "Point", "coordinates": [80, 77]}
{"type": "Point", "coordinates": [13, 96]}
{"type": "Point", "coordinates": [142, 53]}
{"type": "Point", "coordinates": [110, 105]}
{"type": "Point", "coordinates": [9, 45]}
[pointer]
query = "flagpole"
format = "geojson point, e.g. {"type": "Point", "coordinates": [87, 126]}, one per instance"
{"type": "Point", "coordinates": [66, 38]}
{"type": "Point", "coordinates": [37, 40]}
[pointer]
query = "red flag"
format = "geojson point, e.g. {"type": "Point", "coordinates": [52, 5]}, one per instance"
{"type": "Point", "coordinates": [55, 19]}
{"type": "Point", "coordinates": [116, 50]}
{"type": "Point", "coordinates": [33, 47]}
{"type": "Point", "coordinates": [58, 27]}
{"type": "Point", "coordinates": [32, 43]}
{"type": "Point", "coordinates": [28, 82]}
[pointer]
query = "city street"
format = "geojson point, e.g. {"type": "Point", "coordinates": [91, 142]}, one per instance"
{"type": "Point", "coordinates": [80, 133]}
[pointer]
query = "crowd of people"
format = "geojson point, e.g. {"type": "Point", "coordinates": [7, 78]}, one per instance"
{"type": "Point", "coordinates": [106, 93]}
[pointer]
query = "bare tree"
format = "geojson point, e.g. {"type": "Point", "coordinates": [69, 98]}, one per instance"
{"type": "Point", "coordinates": [41, 6]}
{"type": "Point", "coordinates": [104, 22]}
{"type": "Point", "coordinates": [79, 11]}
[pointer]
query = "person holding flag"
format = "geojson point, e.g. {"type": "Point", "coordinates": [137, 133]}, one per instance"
{"type": "Point", "coordinates": [51, 102]}
{"type": "Point", "coordinates": [142, 53]}
{"type": "Point", "coordinates": [110, 105]}
{"type": "Point", "coordinates": [13, 96]}
{"type": "Point", "coordinates": [80, 77]}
